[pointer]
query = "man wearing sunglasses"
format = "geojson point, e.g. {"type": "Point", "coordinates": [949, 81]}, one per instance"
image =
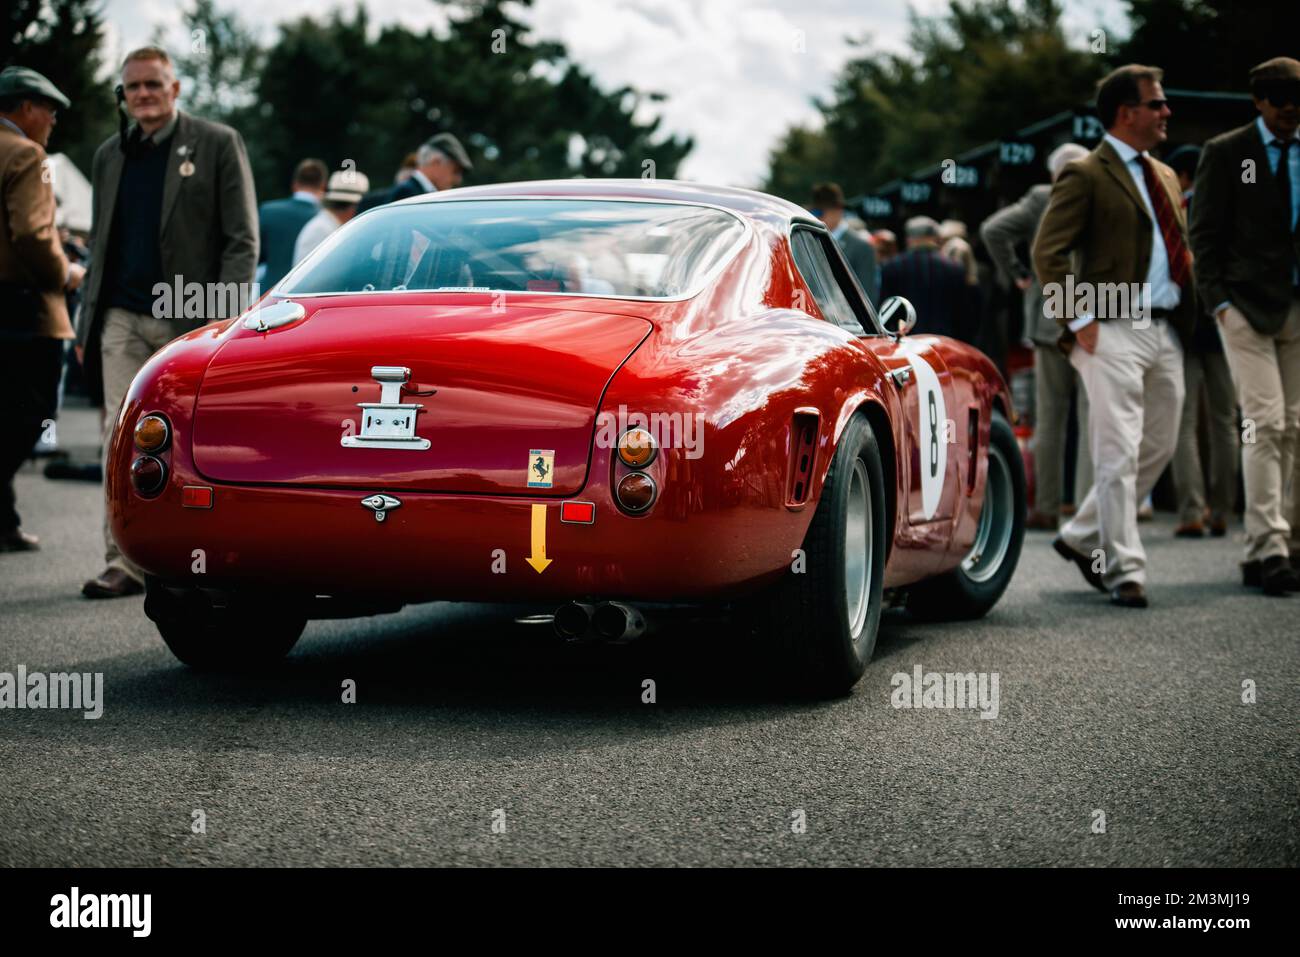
{"type": "Point", "coordinates": [1246, 236]}
{"type": "Point", "coordinates": [1115, 222]}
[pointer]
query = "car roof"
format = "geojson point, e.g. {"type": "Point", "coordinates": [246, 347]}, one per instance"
{"type": "Point", "coordinates": [747, 202]}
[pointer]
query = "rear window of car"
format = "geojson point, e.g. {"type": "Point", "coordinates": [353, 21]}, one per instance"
{"type": "Point", "coordinates": [584, 247]}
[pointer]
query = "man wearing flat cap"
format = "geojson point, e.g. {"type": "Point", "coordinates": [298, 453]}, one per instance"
{"type": "Point", "coordinates": [1245, 234]}
{"type": "Point", "coordinates": [34, 275]}
{"type": "Point", "coordinates": [442, 162]}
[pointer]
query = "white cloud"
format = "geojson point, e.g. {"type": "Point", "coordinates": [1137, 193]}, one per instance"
{"type": "Point", "coordinates": [737, 73]}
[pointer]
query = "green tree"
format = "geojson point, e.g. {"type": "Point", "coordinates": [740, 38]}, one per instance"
{"type": "Point", "coordinates": [979, 71]}
{"type": "Point", "coordinates": [219, 63]}
{"type": "Point", "coordinates": [61, 39]}
{"type": "Point", "coordinates": [329, 88]}
{"type": "Point", "coordinates": [1209, 44]}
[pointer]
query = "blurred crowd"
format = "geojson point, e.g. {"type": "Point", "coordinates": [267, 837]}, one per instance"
{"type": "Point", "coordinates": [1205, 378]}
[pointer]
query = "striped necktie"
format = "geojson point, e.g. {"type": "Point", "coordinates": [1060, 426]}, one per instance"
{"type": "Point", "coordinates": [1180, 261]}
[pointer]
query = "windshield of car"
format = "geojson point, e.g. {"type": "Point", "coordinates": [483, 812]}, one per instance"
{"type": "Point", "coordinates": [588, 247]}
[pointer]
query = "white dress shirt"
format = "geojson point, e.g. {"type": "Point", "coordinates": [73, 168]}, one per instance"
{"type": "Point", "coordinates": [315, 232]}
{"type": "Point", "coordinates": [1165, 293]}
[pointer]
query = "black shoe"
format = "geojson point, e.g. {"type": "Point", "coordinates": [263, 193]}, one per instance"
{"type": "Point", "coordinates": [16, 540]}
{"type": "Point", "coordinates": [1277, 577]}
{"type": "Point", "coordinates": [111, 583]}
{"type": "Point", "coordinates": [1082, 561]}
{"type": "Point", "coordinates": [1129, 595]}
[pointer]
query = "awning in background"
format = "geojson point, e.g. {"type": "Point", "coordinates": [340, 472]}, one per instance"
{"type": "Point", "coordinates": [72, 191]}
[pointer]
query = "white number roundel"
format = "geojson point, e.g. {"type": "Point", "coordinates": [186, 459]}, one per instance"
{"type": "Point", "coordinates": [933, 436]}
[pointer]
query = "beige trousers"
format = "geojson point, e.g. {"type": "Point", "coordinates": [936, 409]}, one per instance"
{"type": "Point", "coordinates": [1054, 380]}
{"type": "Point", "coordinates": [1134, 381]}
{"type": "Point", "coordinates": [1207, 376]}
{"type": "Point", "coordinates": [126, 343]}
{"type": "Point", "coordinates": [1266, 370]}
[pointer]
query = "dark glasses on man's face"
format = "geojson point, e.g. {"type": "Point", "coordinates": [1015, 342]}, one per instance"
{"type": "Point", "coordinates": [1286, 95]}
{"type": "Point", "coordinates": [1156, 105]}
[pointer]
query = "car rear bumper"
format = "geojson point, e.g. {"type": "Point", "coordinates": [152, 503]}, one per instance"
{"type": "Point", "coordinates": [447, 547]}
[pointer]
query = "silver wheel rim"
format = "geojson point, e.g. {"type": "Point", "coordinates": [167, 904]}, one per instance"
{"type": "Point", "coordinates": [857, 548]}
{"type": "Point", "coordinates": [997, 520]}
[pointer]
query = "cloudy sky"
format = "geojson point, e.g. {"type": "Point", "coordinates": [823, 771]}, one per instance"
{"type": "Point", "coordinates": [736, 72]}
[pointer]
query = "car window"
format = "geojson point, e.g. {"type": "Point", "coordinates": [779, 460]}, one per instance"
{"type": "Point", "coordinates": [811, 258]}
{"type": "Point", "coordinates": [592, 247]}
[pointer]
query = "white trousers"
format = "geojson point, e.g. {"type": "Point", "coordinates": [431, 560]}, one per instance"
{"type": "Point", "coordinates": [1134, 381]}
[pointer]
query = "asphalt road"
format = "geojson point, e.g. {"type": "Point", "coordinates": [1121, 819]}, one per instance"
{"type": "Point", "coordinates": [461, 712]}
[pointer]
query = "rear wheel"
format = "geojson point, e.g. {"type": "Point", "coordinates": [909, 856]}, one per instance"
{"type": "Point", "coordinates": [242, 636]}
{"type": "Point", "coordinates": [818, 624]}
{"type": "Point", "coordinates": [974, 586]}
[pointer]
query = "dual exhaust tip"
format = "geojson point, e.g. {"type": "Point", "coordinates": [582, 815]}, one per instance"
{"type": "Point", "coordinates": [609, 621]}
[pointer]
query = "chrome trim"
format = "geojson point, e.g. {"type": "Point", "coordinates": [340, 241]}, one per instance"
{"type": "Point", "coordinates": [891, 306]}
{"type": "Point", "coordinates": [704, 282]}
{"type": "Point", "coordinates": [265, 318]}
{"type": "Point", "coordinates": [381, 504]}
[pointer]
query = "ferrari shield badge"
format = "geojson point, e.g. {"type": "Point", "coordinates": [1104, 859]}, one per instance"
{"type": "Point", "coordinates": [388, 423]}
{"type": "Point", "coordinates": [541, 468]}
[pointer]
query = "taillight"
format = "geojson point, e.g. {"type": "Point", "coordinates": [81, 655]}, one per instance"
{"type": "Point", "coordinates": [635, 492]}
{"type": "Point", "coordinates": [152, 433]}
{"type": "Point", "coordinates": [637, 448]}
{"type": "Point", "coordinates": [148, 475]}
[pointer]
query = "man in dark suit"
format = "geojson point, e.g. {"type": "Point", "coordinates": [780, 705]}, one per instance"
{"type": "Point", "coordinates": [1246, 236]}
{"type": "Point", "coordinates": [442, 164]}
{"type": "Point", "coordinates": [173, 207]}
{"type": "Point", "coordinates": [1112, 257]}
{"type": "Point", "coordinates": [828, 206]}
{"type": "Point", "coordinates": [946, 305]}
{"type": "Point", "coordinates": [281, 220]}
{"type": "Point", "coordinates": [34, 275]}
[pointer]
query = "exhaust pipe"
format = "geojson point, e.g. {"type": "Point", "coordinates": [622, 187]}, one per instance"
{"type": "Point", "coordinates": [616, 622]}
{"type": "Point", "coordinates": [573, 621]}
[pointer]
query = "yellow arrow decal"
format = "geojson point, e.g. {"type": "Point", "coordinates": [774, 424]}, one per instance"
{"type": "Point", "coordinates": [538, 558]}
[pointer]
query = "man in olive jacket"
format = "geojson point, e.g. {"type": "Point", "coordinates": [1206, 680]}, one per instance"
{"type": "Point", "coordinates": [174, 211]}
{"type": "Point", "coordinates": [1125, 303]}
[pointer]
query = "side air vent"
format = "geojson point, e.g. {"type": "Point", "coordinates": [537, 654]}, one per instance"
{"type": "Point", "coordinates": [803, 455]}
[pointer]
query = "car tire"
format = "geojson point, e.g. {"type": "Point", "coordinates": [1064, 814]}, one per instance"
{"type": "Point", "coordinates": [239, 637]}
{"type": "Point", "coordinates": [818, 625]}
{"type": "Point", "coordinates": [975, 586]}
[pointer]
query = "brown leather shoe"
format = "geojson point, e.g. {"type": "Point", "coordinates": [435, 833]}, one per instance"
{"type": "Point", "coordinates": [1218, 526]}
{"type": "Point", "coordinates": [111, 583]}
{"type": "Point", "coordinates": [1081, 560]}
{"type": "Point", "coordinates": [1129, 595]}
{"type": "Point", "coordinates": [16, 540]}
{"type": "Point", "coordinates": [1190, 530]}
{"type": "Point", "coordinates": [1040, 521]}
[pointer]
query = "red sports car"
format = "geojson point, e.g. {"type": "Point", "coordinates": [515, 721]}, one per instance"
{"type": "Point", "coordinates": [601, 394]}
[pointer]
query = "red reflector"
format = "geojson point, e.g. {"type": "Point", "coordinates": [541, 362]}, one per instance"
{"type": "Point", "coordinates": [196, 496]}
{"type": "Point", "coordinates": [582, 513]}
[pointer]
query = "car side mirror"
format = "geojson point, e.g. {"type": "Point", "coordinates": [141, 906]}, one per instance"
{"type": "Point", "coordinates": [899, 308]}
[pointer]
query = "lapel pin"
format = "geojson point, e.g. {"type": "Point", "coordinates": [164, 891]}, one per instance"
{"type": "Point", "coordinates": [187, 168]}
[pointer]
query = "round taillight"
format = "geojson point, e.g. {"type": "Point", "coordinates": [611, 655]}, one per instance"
{"type": "Point", "coordinates": [637, 448]}
{"type": "Point", "coordinates": [148, 475]}
{"type": "Point", "coordinates": [636, 492]}
{"type": "Point", "coordinates": [152, 434]}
